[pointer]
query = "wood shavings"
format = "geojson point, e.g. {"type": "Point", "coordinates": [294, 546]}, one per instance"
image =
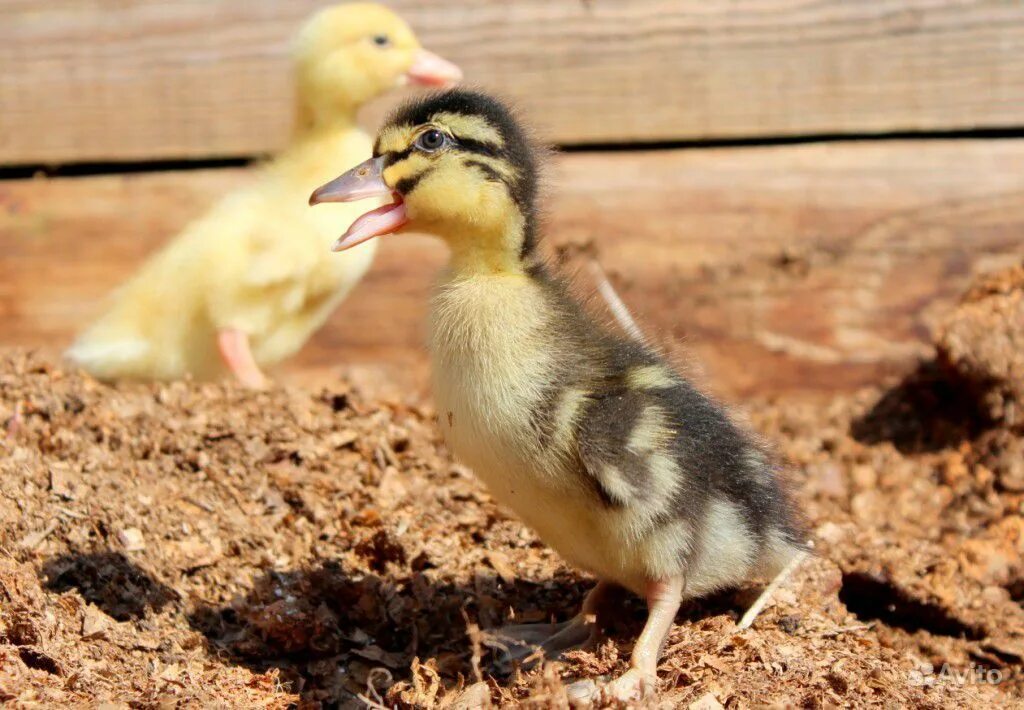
{"type": "Point", "coordinates": [708, 701]}
{"type": "Point", "coordinates": [34, 539]}
{"type": "Point", "coordinates": [290, 547]}
{"type": "Point", "coordinates": [131, 539]}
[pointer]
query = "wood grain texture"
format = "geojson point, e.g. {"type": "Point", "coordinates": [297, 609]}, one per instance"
{"type": "Point", "coordinates": [148, 79]}
{"type": "Point", "coordinates": [818, 267]}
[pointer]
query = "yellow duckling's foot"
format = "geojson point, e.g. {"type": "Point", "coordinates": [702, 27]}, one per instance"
{"type": "Point", "coordinates": [234, 349]}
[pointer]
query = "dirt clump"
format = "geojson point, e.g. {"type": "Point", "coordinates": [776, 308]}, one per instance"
{"type": "Point", "coordinates": [982, 341]}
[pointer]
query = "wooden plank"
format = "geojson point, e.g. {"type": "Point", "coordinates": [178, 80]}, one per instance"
{"type": "Point", "coordinates": [816, 267]}
{"type": "Point", "coordinates": [147, 79]}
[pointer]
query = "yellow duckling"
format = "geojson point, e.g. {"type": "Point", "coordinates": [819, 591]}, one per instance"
{"type": "Point", "coordinates": [616, 460]}
{"type": "Point", "coordinates": [248, 283]}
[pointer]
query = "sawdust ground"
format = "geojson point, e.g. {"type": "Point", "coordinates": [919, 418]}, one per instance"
{"type": "Point", "coordinates": [202, 545]}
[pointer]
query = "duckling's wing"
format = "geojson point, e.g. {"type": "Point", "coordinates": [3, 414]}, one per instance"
{"type": "Point", "coordinates": [622, 440]}
{"type": "Point", "coordinates": [660, 447]}
{"type": "Point", "coordinates": [647, 435]}
{"type": "Point", "coordinates": [277, 256]}
{"type": "Point", "coordinates": [264, 275]}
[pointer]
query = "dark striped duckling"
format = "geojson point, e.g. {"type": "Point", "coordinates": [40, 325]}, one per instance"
{"type": "Point", "coordinates": [617, 462]}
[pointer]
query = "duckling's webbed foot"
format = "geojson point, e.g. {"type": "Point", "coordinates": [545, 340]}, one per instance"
{"type": "Point", "coordinates": [663, 599]}
{"type": "Point", "coordinates": [237, 355]}
{"type": "Point", "coordinates": [528, 644]}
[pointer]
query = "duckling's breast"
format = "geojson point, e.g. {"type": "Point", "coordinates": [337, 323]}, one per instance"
{"type": "Point", "coordinates": [494, 363]}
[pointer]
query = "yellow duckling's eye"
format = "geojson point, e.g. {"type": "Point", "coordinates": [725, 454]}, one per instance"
{"type": "Point", "coordinates": [431, 140]}
{"type": "Point", "coordinates": [381, 40]}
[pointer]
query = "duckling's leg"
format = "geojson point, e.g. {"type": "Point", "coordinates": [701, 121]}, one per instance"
{"type": "Point", "coordinates": [663, 600]}
{"type": "Point", "coordinates": [530, 643]}
{"type": "Point", "coordinates": [234, 349]}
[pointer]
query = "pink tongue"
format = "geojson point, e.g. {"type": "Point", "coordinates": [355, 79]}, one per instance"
{"type": "Point", "coordinates": [383, 220]}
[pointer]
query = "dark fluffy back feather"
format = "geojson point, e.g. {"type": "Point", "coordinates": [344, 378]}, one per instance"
{"type": "Point", "coordinates": [720, 459]}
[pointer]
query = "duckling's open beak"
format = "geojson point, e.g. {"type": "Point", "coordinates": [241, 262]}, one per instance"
{"type": "Point", "coordinates": [362, 182]}
{"type": "Point", "coordinates": [431, 70]}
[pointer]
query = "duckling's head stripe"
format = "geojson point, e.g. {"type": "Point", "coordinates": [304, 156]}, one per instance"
{"type": "Point", "coordinates": [477, 124]}
{"type": "Point", "coordinates": [489, 172]}
{"type": "Point", "coordinates": [472, 145]}
{"type": "Point", "coordinates": [395, 156]}
{"type": "Point", "coordinates": [470, 125]}
{"type": "Point", "coordinates": [408, 184]}
{"type": "Point", "coordinates": [483, 137]}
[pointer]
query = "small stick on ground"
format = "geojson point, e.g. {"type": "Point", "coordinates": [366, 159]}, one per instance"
{"type": "Point", "coordinates": [14, 423]}
{"type": "Point", "coordinates": [376, 702]}
{"type": "Point", "coordinates": [475, 638]}
{"type": "Point", "coordinates": [615, 304]}
{"type": "Point", "coordinates": [766, 595]}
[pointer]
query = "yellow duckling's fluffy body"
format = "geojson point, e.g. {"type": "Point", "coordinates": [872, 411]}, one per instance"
{"type": "Point", "coordinates": [248, 283]}
{"type": "Point", "coordinates": [254, 263]}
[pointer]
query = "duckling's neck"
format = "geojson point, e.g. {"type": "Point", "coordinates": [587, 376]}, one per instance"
{"type": "Point", "coordinates": [317, 143]}
{"type": "Point", "coordinates": [313, 157]}
{"type": "Point", "coordinates": [306, 128]}
{"type": "Point", "coordinates": [314, 118]}
{"type": "Point", "coordinates": [325, 132]}
{"type": "Point", "coordinates": [504, 250]}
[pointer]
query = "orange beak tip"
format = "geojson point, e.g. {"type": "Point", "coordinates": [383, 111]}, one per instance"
{"type": "Point", "coordinates": [429, 69]}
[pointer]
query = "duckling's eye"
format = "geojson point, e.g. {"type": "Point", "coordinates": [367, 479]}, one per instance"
{"type": "Point", "coordinates": [431, 140]}
{"type": "Point", "coordinates": [382, 40]}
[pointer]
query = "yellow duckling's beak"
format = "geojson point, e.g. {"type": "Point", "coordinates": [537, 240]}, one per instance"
{"type": "Point", "coordinates": [430, 69]}
{"type": "Point", "coordinates": [362, 182]}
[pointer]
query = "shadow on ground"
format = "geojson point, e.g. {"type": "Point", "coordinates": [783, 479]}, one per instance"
{"type": "Point", "coordinates": [326, 630]}
{"type": "Point", "coordinates": [111, 581]}
{"type": "Point", "coordinates": [929, 410]}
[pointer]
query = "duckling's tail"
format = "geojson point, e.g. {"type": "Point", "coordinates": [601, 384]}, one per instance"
{"type": "Point", "coordinates": [111, 358]}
